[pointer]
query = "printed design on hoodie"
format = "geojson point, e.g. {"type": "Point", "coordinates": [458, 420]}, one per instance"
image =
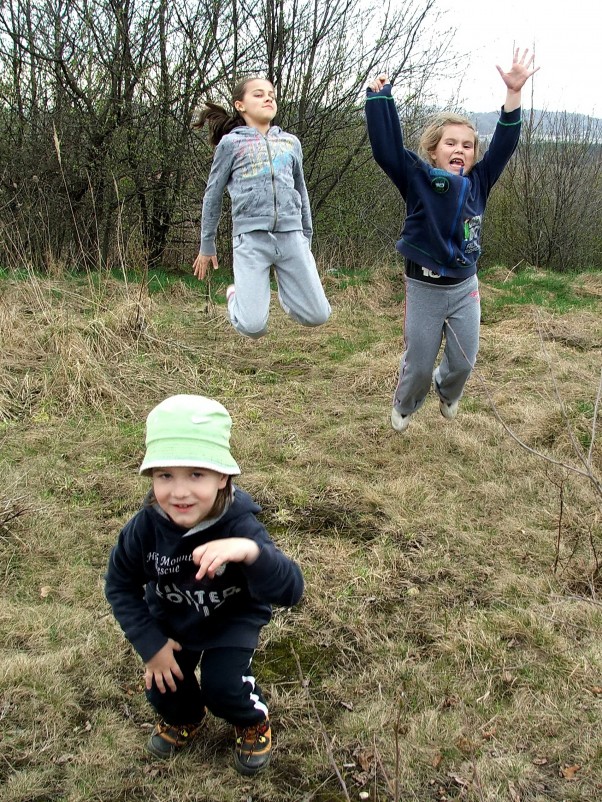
{"type": "Point", "coordinates": [256, 158]}
{"type": "Point", "coordinates": [164, 564]}
{"type": "Point", "coordinates": [472, 234]}
{"type": "Point", "coordinates": [203, 601]}
{"type": "Point", "coordinates": [188, 590]}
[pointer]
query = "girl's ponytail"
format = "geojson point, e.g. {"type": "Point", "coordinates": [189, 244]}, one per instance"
{"type": "Point", "coordinates": [217, 119]}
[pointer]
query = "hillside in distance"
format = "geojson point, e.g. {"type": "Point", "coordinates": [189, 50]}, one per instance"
{"type": "Point", "coordinates": [550, 122]}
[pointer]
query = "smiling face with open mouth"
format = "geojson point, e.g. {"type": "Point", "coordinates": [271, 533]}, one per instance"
{"type": "Point", "coordinates": [187, 495]}
{"type": "Point", "coordinates": [455, 151]}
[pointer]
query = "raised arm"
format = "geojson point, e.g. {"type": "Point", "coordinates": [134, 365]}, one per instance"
{"type": "Point", "coordinates": [384, 130]}
{"type": "Point", "coordinates": [516, 77]}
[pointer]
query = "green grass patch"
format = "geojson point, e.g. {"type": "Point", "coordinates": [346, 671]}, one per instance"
{"type": "Point", "coordinates": [556, 292]}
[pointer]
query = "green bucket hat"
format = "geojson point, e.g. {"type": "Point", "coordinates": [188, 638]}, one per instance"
{"type": "Point", "coordinates": [189, 431]}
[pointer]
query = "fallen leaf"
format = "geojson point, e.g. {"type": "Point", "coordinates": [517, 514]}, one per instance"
{"type": "Point", "coordinates": [568, 772]}
{"type": "Point", "coordinates": [436, 761]}
{"type": "Point", "coordinates": [45, 591]}
{"type": "Point", "coordinates": [597, 690]}
{"type": "Point", "coordinates": [465, 745]}
{"type": "Point", "coordinates": [539, 761]}
{"type": "Point", "coordinates": [365, 758]}
{"type": "Point", "coordinates": [450, 701]}
{"type": "Point", "coordinates": [459, 780]}
{"type": "Point", "coordinates": [66, 758]}
{"type": "Point", "coordinates": [514, 795]}
{"type": "Point", "coordinates": [347, 705]}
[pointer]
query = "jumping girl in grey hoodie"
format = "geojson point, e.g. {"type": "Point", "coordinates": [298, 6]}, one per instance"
{"type": "Point", "coordinates": [262, 168]}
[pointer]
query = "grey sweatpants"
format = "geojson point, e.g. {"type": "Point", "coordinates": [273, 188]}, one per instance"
{"type": "Point", "coordinates": [432, 311]}
{"type": "Point", "coordinates": [300, 291]}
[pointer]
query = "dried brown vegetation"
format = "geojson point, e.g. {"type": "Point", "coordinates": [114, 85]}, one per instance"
{"type": "Point", "coordinates": [448, 644]}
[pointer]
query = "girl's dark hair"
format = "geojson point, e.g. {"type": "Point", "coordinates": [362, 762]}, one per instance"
{"type": "Point", "coordinates": [219, 121]}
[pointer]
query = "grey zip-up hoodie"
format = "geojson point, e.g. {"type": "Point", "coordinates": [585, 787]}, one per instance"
{"type": "Point", "coordinates": [264, 178]}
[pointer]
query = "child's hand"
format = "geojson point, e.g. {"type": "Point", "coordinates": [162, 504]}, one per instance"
{"type": "Point", "coordinates": [520, 71]}
{"type": "Point", "coordinates": [211, 556]}
{"type": "Point", "coordinates": [377, 84]}
{"type": "Point", "coordinates": [163, 667]}
{"type": "Point", "coordinates": [201, 263]}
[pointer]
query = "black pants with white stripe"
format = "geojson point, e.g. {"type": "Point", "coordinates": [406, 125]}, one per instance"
{"type": "Point", "coordinates": [227, 688]}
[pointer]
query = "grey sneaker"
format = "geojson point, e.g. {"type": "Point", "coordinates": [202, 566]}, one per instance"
{"type": "Point", "coordinates": [449, 409]}
{"type": "Point", "coordinates": [398, 421]}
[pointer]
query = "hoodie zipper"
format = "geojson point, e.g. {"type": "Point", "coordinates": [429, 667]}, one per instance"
{"type": "Point", "coordinates": [450, 245]}
{"type": "Point", "coordinates": [267, 144]}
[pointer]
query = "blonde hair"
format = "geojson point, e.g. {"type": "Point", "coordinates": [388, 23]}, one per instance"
{"type": "Point", "coordinates": [434, 131]}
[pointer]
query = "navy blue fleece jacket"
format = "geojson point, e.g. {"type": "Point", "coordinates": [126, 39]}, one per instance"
{"type": "Point", "coordinates": [150, 582]}
{"type": "Point", "coordinates": [444, 211]}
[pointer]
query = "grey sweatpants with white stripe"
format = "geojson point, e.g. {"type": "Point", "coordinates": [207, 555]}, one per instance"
{"type": "Point", "coordinates": [433, 311]}
{"type": "Point", "coordinates": [300, 290]}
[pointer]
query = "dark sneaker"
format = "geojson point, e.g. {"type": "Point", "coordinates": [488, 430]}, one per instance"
{"type": "Point", "coordinates": [253, 747]}
{"type": "Point", "coordinates": [167, 739]}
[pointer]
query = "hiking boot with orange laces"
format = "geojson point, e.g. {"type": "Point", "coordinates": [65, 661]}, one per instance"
{"type": "Point", "coordinates": [253, 747]}
{"type": "Point", "coordinates": [167, 739]}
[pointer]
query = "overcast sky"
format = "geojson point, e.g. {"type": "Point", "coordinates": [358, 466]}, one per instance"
{"type": "Point", "coordinates": [568, 48]}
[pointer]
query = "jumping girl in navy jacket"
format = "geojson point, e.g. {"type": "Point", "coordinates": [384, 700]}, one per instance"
{"type": "Point", "coordinates": [445, 190]}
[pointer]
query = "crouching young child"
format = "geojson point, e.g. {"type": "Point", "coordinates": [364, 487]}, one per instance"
{"type": "Point", "coordinates": [192, 580]}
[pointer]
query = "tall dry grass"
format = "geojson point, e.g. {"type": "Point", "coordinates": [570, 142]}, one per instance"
{"type": "Point", "coordinates": [448, 644]}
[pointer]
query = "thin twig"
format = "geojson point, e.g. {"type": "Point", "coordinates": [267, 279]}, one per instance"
{"type": "Point", "coordinates": [321, 726]}
{"type": "Point", "coordinates": [511, 271]}
{"type": "Point", "coordinates": [397, 748]}
{"type": "Point", "coordinates": [560, 513]}
{"type": "Point", "coordinates": [587, 473]}
{"type": "Point", "coordinates": [576, 447]}
{"type": "Point", "coordinates": [596, 408]}
{"type": "Point", "coordinates": [574, 597]}
{"type": "Point", "coordinates": [380, 764]}
{"type": "Point", "coordinates": [476, 779]}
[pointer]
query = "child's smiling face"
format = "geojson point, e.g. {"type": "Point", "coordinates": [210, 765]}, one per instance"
{"type": "Point", "coordinates": [187, 495]}
{"type": "Point", "coordinates": [455, 151]}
